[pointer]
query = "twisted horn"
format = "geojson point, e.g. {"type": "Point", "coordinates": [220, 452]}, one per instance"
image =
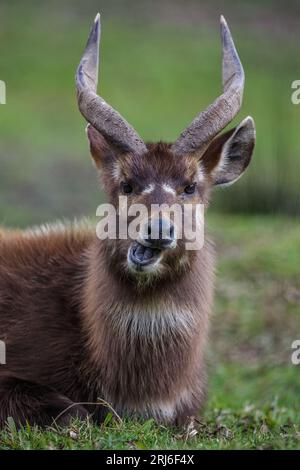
{"type": "Point", "coordinates": [95, 110]}
{"type": "Point", "coordinates": [211, 121]}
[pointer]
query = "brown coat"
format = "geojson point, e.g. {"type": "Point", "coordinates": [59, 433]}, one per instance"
{"type": "Point", "coordinates": [76, 331]}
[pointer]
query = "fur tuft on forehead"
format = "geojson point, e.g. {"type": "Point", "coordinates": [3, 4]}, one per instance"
{"type": "Point", "coordinates": [159, 165]}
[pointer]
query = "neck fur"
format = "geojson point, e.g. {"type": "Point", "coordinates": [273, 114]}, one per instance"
{"type": "Point", "coordinates": [143, 344]}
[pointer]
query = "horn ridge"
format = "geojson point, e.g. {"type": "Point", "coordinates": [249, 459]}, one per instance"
{"type": "Point", "coordinates": [220, 113]}
{"type": "Point", "coordinates": [94, 108]}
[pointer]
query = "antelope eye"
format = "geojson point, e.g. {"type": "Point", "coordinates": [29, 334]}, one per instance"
{"type": "Point", "coordinates": [126, 188]}
{"type": "Point", "coordinates": [190, 188]}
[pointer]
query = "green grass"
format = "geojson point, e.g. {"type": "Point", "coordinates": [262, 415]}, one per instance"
{"type": "Point", "coordinates": [253, 396]}
{"type": "Point", "coordinates": [250, 427]}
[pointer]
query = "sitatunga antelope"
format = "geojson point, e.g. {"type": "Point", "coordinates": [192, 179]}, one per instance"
{"type": "Point", "coordinates": [120, 320]}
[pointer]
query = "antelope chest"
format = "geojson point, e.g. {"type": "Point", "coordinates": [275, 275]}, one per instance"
{"type": "Point", "coordinates": [150, 352]}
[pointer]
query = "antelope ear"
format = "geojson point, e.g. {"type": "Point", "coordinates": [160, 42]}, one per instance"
{"type": "Point", "coordinates": [229, 154]}
{"type": "Point", "coordinates": [99, 147]}
{"type": "Point", "coordinates": [104, 153]}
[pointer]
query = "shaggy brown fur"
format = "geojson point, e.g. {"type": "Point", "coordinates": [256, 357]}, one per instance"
{"type": "Point", "coordinates": [79, 326]}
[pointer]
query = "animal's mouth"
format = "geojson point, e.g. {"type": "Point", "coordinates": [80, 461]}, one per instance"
{"type": "Point", "coordinates": [141, 256]}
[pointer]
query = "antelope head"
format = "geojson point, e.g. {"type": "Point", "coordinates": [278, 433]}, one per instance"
{"type": "Point", "coordinates": [179, 173]}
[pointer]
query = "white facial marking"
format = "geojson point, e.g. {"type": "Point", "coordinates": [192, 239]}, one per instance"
{"type": "Point", "coordinates": [148, 189]}
{"type": "Point", "coordinates": [166, 187]}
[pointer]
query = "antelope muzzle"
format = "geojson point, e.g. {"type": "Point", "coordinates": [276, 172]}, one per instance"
{"type": "Point", "coordinates": [157, 236]}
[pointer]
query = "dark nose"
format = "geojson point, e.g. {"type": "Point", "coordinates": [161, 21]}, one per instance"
{"type": "Point", "coordinates": [160, 233]}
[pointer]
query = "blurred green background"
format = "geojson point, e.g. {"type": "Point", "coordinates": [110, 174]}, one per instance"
{"type": "Point", "coordinates": [161, 65]}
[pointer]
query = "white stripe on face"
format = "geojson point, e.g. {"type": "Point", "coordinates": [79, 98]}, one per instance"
{"type": "Point", "coordinates": [149, 189]}
{"type": "Point", "coordinates": [166, 187]}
